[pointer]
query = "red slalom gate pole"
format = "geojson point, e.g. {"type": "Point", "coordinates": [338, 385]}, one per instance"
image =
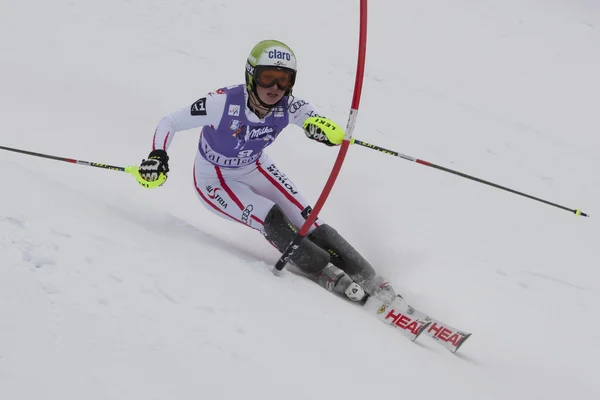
{"type": "Point", "coordinates": [360, 71]}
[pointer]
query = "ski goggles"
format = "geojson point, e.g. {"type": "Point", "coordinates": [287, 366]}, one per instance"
{"type": "Point", "coordinates": [266, 77]}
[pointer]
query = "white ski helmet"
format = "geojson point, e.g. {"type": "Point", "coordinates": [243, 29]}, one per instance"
{"type": "Point", "coordinates": [269, 55]}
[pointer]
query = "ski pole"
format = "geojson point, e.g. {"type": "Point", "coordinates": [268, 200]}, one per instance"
{"type": "Point", "coordinates": [428, 164]}
{"type": "Point", "coordinates": [131, 169]}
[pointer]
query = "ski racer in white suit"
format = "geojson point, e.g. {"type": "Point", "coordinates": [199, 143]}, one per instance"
{"type": "Point", "coordinates": [236, 180]}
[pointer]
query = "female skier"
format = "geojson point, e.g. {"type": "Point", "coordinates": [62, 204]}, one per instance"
{"type": "Point", "coordinates": [235, 179]}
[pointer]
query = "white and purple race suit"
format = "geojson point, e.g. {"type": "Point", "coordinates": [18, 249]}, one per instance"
{"type": "Point", "coordinates": [233, 177]}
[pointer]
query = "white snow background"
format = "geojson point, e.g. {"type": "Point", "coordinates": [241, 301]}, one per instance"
{"type": "Point", "coordinates": [111, 291]}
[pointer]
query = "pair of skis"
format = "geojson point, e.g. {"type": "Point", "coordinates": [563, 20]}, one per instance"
{"type": "Point", "coordinates": [414, 323]}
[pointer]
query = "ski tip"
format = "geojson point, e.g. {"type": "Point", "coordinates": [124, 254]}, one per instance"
{"type": "Point", "coordinates": [463, 340]}
{"type": "Point", "coordinates": [423, 329]}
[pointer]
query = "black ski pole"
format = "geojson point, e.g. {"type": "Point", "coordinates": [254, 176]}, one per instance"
{"type": "Point", "coordinates": [69, 160]}
{"type": "Point", "coordinates": [131, 169]}
{"type": "Point", "coordinates": [428, 164]}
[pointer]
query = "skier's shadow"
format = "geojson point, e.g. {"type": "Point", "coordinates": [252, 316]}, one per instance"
{"type": "Point", "coordinates": [231, 247]}
{"type": "Point", "coordinates": [173, 226]}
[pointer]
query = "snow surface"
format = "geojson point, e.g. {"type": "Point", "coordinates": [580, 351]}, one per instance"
{"type": "Point", "coordinates": [110, 291]}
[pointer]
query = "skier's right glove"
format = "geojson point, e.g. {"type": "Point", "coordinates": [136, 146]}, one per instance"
{"type": "Point", "coordinates": [156, 164]}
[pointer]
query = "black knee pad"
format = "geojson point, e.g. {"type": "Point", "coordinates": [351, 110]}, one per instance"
{"type": "Point", "coordinates": [342, 254]}
{"type": "Point", "coordinates": [280, 231]}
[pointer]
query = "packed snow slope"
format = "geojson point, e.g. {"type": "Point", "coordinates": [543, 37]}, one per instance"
{"type": "Point", "coordinates": [110, 291]}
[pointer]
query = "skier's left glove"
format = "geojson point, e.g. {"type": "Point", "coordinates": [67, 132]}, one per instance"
{"type": "Point", "coordinates": [324, 131]}
{"type": "Point", "coordinates": [154, 166]}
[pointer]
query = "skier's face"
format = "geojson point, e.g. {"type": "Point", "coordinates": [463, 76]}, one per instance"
{"type": "Point", "coordinates": [270, 95]}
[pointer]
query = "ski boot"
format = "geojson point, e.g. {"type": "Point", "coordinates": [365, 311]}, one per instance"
{"type": "Point", "coordinates": [379, 288]}
{"type": "Point", "coordinates": [335, 280]}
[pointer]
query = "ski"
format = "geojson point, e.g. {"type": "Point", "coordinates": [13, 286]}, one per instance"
{"type": "Point", "coordinates": [399, 317]}
{"type": "Point", "coordinates": [413, 323]}
{"type": "Point", "coordinates": [447, 336]}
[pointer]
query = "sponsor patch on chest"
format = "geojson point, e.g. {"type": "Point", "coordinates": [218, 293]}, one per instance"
{"type": "Point", "coordinates": [265, 133]}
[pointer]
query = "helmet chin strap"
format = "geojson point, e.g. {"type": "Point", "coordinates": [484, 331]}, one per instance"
{"type": "Point", "coordinates": [254, 96]}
